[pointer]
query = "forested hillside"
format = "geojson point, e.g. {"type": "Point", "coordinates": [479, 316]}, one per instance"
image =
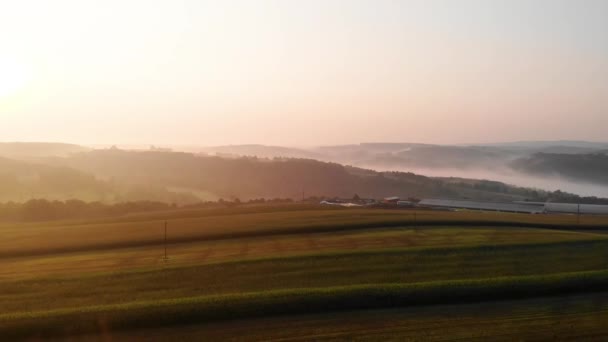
{"type": "Point", "coordinates": [33, 150]}
{"type": "Point", "coordinates": [251, 177]}
{"type": "Point", "coordinates": [592, 168]}
{"type": "Point", "coordinates": [114, 175]}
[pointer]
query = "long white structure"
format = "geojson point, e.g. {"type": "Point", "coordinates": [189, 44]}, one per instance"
{"type": "Point", "coordinates": [518, 207]}
{"type": "Point", "coordinates": [491, 206]}
{"type": "Point", "coordinates": [571, 208]}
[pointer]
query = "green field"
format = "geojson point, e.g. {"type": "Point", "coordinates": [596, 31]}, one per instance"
{"type": "Point", "coordinates": [311, 271]}
{"type": "Point", "coordinates": [579, 317]}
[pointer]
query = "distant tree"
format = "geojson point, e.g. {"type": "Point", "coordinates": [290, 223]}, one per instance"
{"type": "Point", "coordinates": [38, 209]}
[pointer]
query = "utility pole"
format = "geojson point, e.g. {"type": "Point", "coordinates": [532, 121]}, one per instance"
{"type": "Point", "coordinates": [166, 258]}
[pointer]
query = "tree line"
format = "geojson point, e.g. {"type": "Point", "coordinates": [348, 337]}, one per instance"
{"type": "Point", "coordinates": [49, 210]}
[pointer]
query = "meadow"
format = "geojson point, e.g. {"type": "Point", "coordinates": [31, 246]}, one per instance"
{"type": "Point", "coordinates": [574, 317]}
{"type": "Point", "coordinates": [279, 264]}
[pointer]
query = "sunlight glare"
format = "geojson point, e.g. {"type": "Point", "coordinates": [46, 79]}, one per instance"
{"type": "Point", "coordinates": [13, 76]}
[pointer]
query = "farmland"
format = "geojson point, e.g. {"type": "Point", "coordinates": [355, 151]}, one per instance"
{"type": "Point", "coordinates": [573, 317]}
{"type": "Point", "coordinates": [311, 265]}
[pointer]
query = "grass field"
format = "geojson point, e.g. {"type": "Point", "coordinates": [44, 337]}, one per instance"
{"type": "Point", "coordinates": [577, 317]}
{"type": "Point", "coordinates": [206, 225]}
{"type": "Point", "coordinates": [108, 276]}
{"type": "Point", "coordinates": [200, 252]}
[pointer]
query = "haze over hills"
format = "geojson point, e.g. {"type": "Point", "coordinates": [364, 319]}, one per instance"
{"type": "Point", "coordinates": [381, 155]}
{"type": "Point", "coordinates": [249, 172]}
{"type": "Point", "coordinates": [262, 151]}
{"type": "Point", "coordinates": [532, 144]}
{"type": "Point", "coordinates": [589, 167]}
{"type": "Point", "coordinates": [33, 150]}
{"type": "Point", "coordinates": [252, 177]}
{"type": "Point", "coordinates": [516, 163]}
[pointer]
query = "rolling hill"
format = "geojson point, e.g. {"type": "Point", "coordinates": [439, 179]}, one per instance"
{"type": "Point", "coordinates": [251, 177]}
{"type": "Point", "coordinates": [113, 175]}
{"type": "Point", "coordinates": [34, 150]}
{"type": "Point", "coordinates": [549, 164]}
{"type": "Point", "coordinates": [592, 168]}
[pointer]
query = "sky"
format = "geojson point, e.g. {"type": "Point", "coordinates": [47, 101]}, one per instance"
{"type": "Point", "coordinates": [301, 73]}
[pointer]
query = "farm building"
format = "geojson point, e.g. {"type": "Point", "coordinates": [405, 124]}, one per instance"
{"type": "Point", "coordinates": [391, 200]}
{"type": "Point", "coordinates": [571, 208]}
{"type": "Point", "coordinates": [403, 203]}
{"type": "Point", "coordinates": [490, 206]}
{"type": "Point", "coordinates": [341, 204]}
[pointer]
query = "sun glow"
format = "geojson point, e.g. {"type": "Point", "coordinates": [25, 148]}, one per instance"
{"type": "Point", "coordinates": [13, 76]}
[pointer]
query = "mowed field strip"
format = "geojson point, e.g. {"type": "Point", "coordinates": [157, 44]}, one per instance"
{"type": "Point", "coordinates": [201, 252]}
{"type": "Point", "coordinates": [240, 263]}
{"type": "Point", "coordinates": [400, 266]}
{"type": "Point", "coordinates": [55, 237]}
{"type": "Point", "coordinates": [574, 317]}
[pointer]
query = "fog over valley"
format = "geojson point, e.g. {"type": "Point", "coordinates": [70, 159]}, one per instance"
{"type": "Point", "coordinates": [183, 175]}
{"type": "Point", "coordinates": [549, 182]}
{"type": "Point", "coordinates": [547, 165]}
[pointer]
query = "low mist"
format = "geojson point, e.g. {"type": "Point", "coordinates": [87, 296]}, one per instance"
{"type": "Point", "coordinates": [549, 183]}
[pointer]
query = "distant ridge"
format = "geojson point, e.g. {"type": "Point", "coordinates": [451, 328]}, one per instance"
{"type": "Point", "coordinates": [27, 150]}
{"type": "Point", "coordinates": [548, 143]}
{"type": "Point", "coordinates": [262, 151]}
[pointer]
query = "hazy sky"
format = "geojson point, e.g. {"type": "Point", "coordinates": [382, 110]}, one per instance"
{"type": "Point", "coordinates": [303, 72]}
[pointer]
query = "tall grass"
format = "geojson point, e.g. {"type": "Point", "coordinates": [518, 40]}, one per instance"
{"type": "Point", "coordinates": [146, 314]}
{"type": "Point", "coordinates": [327, 269]}
{"type": "Point", "coordinates": [48, 239]}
